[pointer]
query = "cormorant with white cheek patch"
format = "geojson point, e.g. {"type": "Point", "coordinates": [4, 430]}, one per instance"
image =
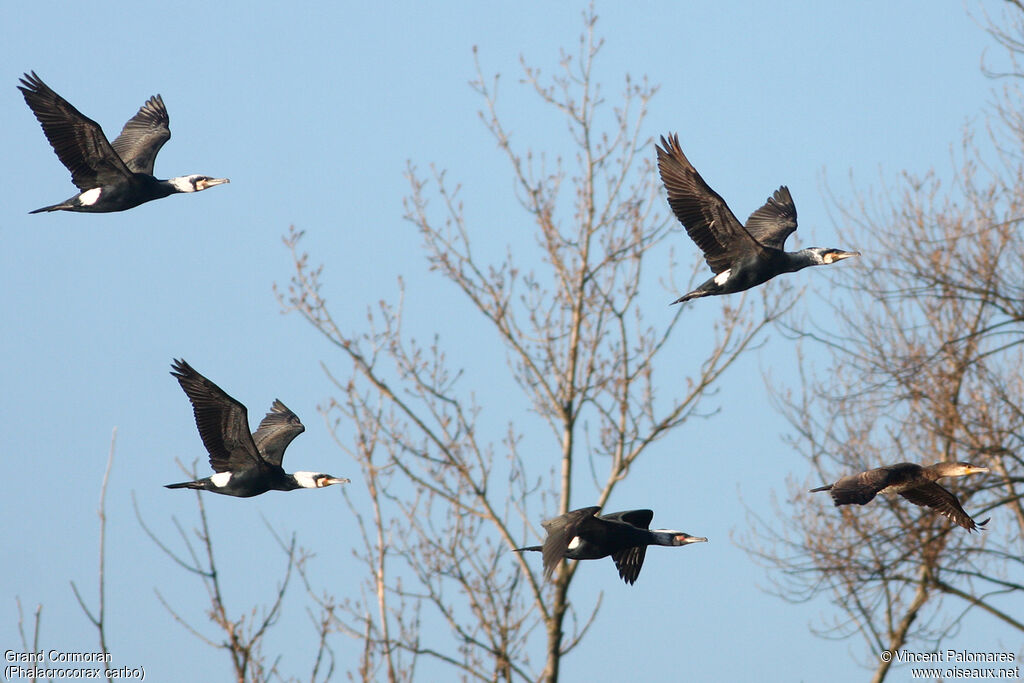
{"type": "Point", "coordinates": [740, 256]}
{"type": "Point", "coordinates": [913, 482]}
{"type": "Point", "coordinates": [111, 176]}
{"type": "Point", "coordinates": [245, 464]}
{"type": "Point", "coordinates": [584, 535]}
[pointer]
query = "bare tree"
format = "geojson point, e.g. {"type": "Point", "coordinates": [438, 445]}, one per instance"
{"type": "Point", "coordinates": [37, 623]}
{"type": "Point", "coordinates": [98, 619]}
{"type": "Point", "coordinates": [923, 365]}
{"type": "Point", "coordinates": [242, 637]}
{"type": "Point", "coordinates": [450, 495]}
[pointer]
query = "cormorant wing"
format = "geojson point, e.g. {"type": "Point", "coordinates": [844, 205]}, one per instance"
{"type": "Point", "coordinates": [641, 519]}
{"type": "Point", "coordinates": [561, 530]}
{"type": "Point", "coordinates": [708, 220]}
{"type": "Point", "coordinates": [143, 136]}
{"type": "Point", "coordinates": [775, 221]}
{"type": "Point", "coordinates": [276, 431]}
{"type": "Point", "coordinates": [860, 488]}
{"type": "Point", "coordinates": [942, 501]}
{"type": "Point", "coordinates": [223, 422]}
{"type": "Point", "coordinates": [78, 140]}
{"type": "Point", "coordinates": [629, 562]}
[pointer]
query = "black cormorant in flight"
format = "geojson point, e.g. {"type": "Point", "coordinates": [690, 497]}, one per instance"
{"type": "Point", "coordinates": [740, 257]}
{"type": "Point", "coordinates": [913, 482]}
{"type": "Point", "coordinates": [584, 535]}
{"type": "Point", "coordinates": [111, 176]}
{"type": "Point", "coordinates": [245, 464]}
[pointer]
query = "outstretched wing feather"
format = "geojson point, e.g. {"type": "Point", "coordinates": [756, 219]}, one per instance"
{"type": "Point", "coordinates": [629, 562]}
{"type": "Point", "coordinates": [223, 422]}
{"type": "Point", "coordinates": [775, 221]}
{"type": "Point", "coordinates": [143, 136]}
{"type": "Point", "coordinates": [277, 429]}
{"type": "Point", "coordinates": [78, 140]}
{"type": "Point", "coordinates": [708, 220]}
{"type": "Point", "coordinates": [942, 501]}
{"type": "Point", "coordinates": [561, 530]}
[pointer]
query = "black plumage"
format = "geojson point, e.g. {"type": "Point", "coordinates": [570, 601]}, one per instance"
{"type": "Point", "coordinates": [584, 535]}
{"type": "Point", "coordinates": [740, 256]}
{"type": "Point", "coordinates": [245, 464]}
{"type": "Point", "coordinates": [914, 482]}
{"type": "Point", "coordinates": [111, 176]}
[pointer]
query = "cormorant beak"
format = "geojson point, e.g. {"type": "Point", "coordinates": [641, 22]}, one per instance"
{"type": "Point", "coordinates": [210, 182]}
{"type": "Point", "coordinates": [327, 481]}
{"type": "Point", "coordinates": [685, 539]}
{"type": "Point", "coordinates": [833, 256]}
{"type": "Point", "coordinates": [975, 470]}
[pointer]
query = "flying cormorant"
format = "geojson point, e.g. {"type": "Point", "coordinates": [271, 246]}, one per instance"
{"type": "Point", "coordinates": [245, 464]}
{"type": "Point", "coordinates": [584, 535]}
{"type": "Point", "coordinates": [913, 482]}
{"type": "Point", "coordinates": [740, 257]}
{"type": "Point", "coordinates": [111, 177]}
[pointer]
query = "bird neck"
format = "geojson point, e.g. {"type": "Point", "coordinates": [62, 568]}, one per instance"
{"type": "Point", "coordinates": [952, 469]}
{"type": "Point", "coordinates": [304, 480]}
{"type": "Point", "coordinates": [664, 537]}
{"type": "Point", "coordinates": [797, 260]}
{"type": "Point", "coordinates": [180, 184]}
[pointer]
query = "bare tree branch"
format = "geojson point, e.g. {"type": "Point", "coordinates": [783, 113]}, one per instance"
{"type": "Point", "coordinates": [450, 496]}
{"type": "Point", "coordinates": [923, 365]}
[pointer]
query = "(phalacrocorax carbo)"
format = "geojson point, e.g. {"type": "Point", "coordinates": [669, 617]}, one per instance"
{"type": "Point", "coordinates": [584, 535]}
{"type": "Point", "coordinates": [111, 176]}
{"type": "Point", "coordinates": [740, 257]}
{"type": "Point", "coordinates": [245, 464]}
{"type": "Point", "coordinates": [913, 482]}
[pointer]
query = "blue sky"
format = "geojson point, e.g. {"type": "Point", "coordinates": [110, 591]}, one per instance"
{"type": "Point", "coordinates": [313, 111]}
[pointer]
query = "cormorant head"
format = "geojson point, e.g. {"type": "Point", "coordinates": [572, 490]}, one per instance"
{"type": "Point", "coordinates": [824, 256]}
{"type": "Point", "coordinates": [958, 469]}
{"type": "Point", "coordinates": [678, 537]}
{"type": "Point", "coordinates": [195, 183]}
{"type": "Point", "coordinates": [316, 480]}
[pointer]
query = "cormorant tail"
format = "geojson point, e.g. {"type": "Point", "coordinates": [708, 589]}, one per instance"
{"type": "Point", "coordinates": [698, 293]}
{"type": "Point", "coordinates": [529, 547]}
{"type": "Point", "coordinates": [827, 487]}
{"type": "Point", "coordinates": [52, 207]}
{"type": "Point", "coordinates": [184, 485]}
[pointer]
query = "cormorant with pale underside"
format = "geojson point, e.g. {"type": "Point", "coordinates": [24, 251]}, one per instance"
{"type": "Point", "coordinates": [740, 256]}
{"type": "Point", "coordinates": [245, 464]}
{"type": "Point", "coordinates": [584, 535]}
{"type": "Point", "coordinates": [111, 176]}
{"type": "Point", "coordinates": [913, 482]}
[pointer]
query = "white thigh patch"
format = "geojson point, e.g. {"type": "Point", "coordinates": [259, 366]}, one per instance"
{"type": "Point", "coordinates": [90, 197]}
{"type": "Point", "coordinates": [221, 479]}
{"type": "Point", "coordinates": [575, 543]}
{"type": "Point", "coordinates": [722, 277]}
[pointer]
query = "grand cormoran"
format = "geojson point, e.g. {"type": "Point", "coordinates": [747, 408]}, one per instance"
{"type": "Point", "coordinates": [584, 535]}
{"type": "Point", "coordinates": [111, 176]}
{"type": "Point", "coordinates": [913, 482]}
{"type": "Point", "coordinates": [245, 464]}
{"type": "Point", "coordinates": [740, 256]}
